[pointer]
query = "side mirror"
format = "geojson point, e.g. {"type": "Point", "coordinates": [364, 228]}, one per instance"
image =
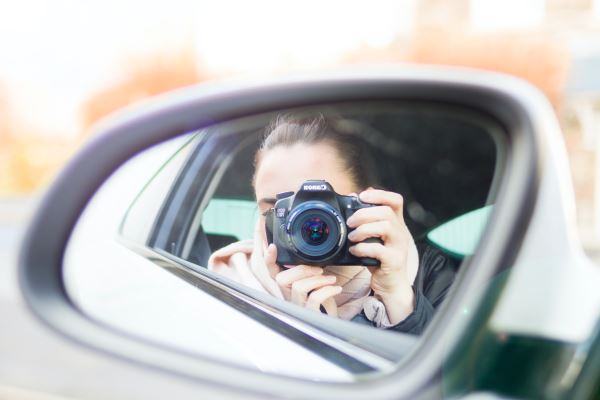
{"type": "Point", "coordinates": [117, 254]}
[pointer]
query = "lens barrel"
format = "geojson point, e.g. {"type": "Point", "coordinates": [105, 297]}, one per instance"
{"type": "Point", "coordinates": [315, 231]}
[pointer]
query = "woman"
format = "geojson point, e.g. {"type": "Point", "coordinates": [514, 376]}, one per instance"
{"type": "Point", "coordinates": [400, 294]}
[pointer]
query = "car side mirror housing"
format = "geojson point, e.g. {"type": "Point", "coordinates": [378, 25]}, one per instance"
{"type": "Point", "coordinates": [519, 112]}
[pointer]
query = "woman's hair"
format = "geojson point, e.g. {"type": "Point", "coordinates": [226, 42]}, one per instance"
{"type": "Point", "coordinates": [290, 129]}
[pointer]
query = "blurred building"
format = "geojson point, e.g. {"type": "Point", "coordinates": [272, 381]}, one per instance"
{"type": "Point", "coordinates": [578, 22]}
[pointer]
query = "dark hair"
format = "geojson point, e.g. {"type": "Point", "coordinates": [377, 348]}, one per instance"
{"type": "Point", "coordinates": [291, 129]}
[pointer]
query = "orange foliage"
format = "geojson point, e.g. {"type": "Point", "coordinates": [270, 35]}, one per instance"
{"type": "Point", "coordinates": [29, 161]}
{"type": "Point", "coordinates": [144, 78]}
{"type": "Point", "coordinates": [5, 117]}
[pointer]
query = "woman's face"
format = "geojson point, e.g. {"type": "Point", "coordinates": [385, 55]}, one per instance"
{"type": "Point", "coordinates": [284, 169]}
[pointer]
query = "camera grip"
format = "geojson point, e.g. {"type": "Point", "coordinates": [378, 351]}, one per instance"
{"type": "Point", "coordinates": [371, 262]}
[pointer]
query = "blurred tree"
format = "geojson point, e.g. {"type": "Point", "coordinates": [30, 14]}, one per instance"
{"type": "Point", "coordinates": [143, 78]}
{"type": "Point", "coordinates": [6, 146]}
{"type": "Point", "coordinates": [29, 160]}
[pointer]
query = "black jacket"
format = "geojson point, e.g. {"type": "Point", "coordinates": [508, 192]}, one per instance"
{"type": "Point", "coordinates": [434, 278]}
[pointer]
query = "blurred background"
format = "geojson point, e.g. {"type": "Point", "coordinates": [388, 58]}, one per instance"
{"type": "Point", "coordinates": [65, 64]}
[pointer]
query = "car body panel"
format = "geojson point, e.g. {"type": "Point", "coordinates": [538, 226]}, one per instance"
{"type": "Point", "coordinates": [554, 290]}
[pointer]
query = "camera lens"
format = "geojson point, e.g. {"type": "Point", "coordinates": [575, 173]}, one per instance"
{"type": "Point", "coordinates": [315, 231]}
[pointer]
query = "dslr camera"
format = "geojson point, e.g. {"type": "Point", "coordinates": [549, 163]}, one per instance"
{"type": "Point", "coordinates": [309, 227]}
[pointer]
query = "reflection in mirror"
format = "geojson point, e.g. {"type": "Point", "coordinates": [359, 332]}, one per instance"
{"type": "Point", "coordinates": [316, 242]}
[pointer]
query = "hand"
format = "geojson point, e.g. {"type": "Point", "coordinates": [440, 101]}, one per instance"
{"type": "Point", "coordinates": [301, 284]}
{"type": "Point", "coordinates": [232, 262]}
{"type": "Point", "coordinates": [307, 287]}
{"type": "Point", "coordinates": [392, 281]}
{"type": "Point", "coordinates": [249, 263]}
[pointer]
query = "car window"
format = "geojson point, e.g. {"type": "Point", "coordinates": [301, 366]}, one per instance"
{"type": "Point", "coordinates": [446, 168]}
{"type": "Point", "coordinates": [230, 217]}
{"type": "Point", "coordinates": [458, 184]}
{"type": "Point", "coordinates": [142, 213]}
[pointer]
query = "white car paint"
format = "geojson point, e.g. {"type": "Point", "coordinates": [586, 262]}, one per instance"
{"type": "Point", "coordinates": [554, 289]}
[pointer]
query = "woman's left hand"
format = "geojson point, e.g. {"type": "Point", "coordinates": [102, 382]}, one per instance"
{"type": "Point", "coordinates": [392, 281]}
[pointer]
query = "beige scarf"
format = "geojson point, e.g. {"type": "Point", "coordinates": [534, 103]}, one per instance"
{"type": "Point", "coordinates": [236, 263]}
{"type": "Point", "coordinates": [356, 287]}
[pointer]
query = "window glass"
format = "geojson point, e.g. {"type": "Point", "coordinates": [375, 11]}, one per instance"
{"type": "Point", "coordinates": [230, 217]}
{"type": "Point", "coordinates": [143, 211]}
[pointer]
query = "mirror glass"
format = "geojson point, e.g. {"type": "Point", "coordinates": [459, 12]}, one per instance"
{"type": "Point", "coordinates": [315, 242]}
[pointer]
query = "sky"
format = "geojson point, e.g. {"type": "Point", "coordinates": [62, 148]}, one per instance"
{"type": "Point", "coordinates": [55, 54]}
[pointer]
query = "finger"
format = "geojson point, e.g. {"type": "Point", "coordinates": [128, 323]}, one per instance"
{"type": "Point", "coordinates": [331, 307]}
{"type": "Point", "coordinates": [221, 255]}
{"type": "Point", "coordinates": [371, 214]}
{"type": "Point", "coordinates": [391, 199]}
{"type": "Point", "coordinates": [287, 277]}
{"type": "Point", "coordinates": [224, 270]}
{"type": "Point", "coordinates": [301, 288]}
{"type": "Point", "coordinates": [271, 261]}
{"type": "Point", "coordinates": [239, 262]}
{"type": "Point", "coordinates": [371, 250]}
{"type": "Point", "coordinates": [320, 296]}
{"type": "Point", "coordinates": [259, 237]}
{"type": "Point", "coordinates": [383, 197]}
{"type": "Point", "coordinates": [261, 269]}
{"type": "Point", "coordinates": [380, 229]}
{"type": "Point", "coordinates": [262, 258]}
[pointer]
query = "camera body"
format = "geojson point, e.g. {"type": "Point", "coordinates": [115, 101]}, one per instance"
{"type": "Point", "coordinates": [309, 227]}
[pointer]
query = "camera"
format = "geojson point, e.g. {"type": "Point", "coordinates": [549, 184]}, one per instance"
{"type": "Point", "coordinates": [309, 227]}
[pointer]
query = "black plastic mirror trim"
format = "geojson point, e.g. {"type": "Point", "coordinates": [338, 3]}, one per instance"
{"type": "Point", "coordinates": [515, 104]}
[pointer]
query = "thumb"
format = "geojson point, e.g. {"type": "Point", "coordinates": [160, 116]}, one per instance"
{"type": "Point", "coordinates": [259, 237]}
{"type": "Point", "coordinates": [265, 268]}
{"type": "Point", "coordinates": [271, 261]}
